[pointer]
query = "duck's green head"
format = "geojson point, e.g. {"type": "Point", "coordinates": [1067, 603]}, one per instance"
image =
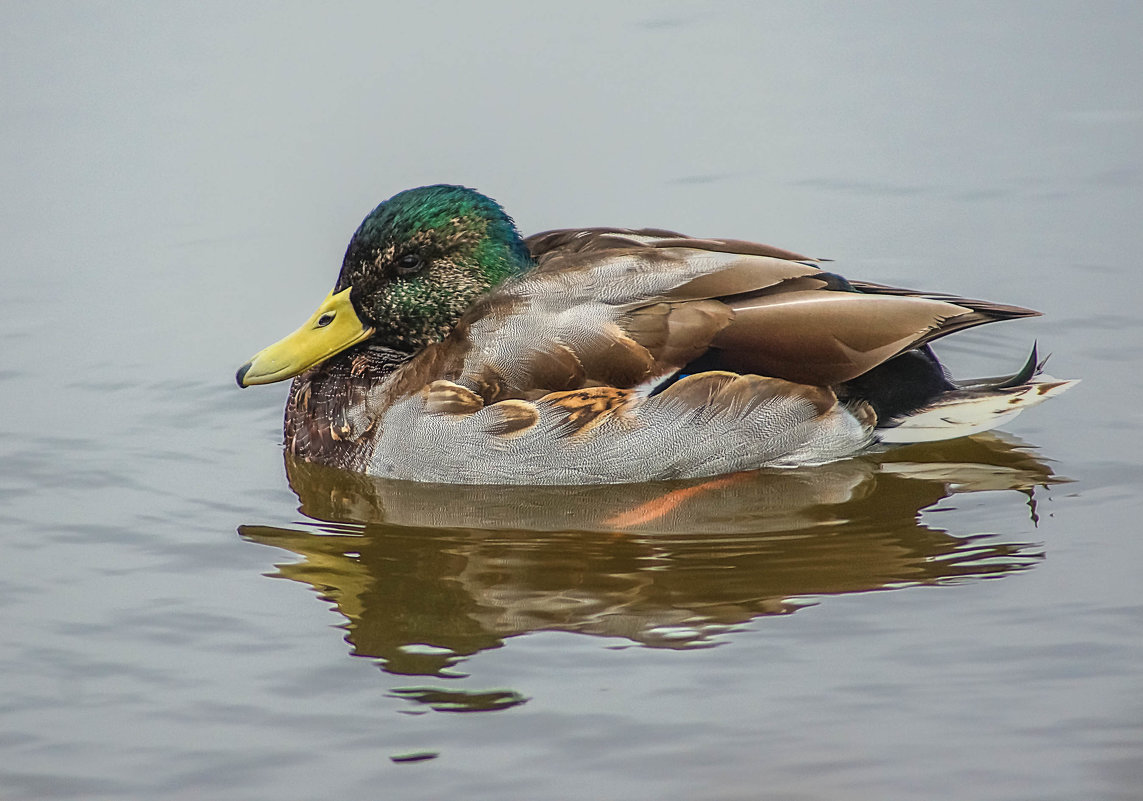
{"type": "Point", "coordinates": [417, 262]}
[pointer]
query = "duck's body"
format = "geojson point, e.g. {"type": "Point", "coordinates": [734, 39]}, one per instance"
{"type": "Point", "coordinates": [611, 355]}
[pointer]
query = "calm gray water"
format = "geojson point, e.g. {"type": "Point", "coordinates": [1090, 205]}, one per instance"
{"type": "Point", "coordinates": [948, 622]}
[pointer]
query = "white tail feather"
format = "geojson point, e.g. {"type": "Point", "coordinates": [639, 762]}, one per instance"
{"type": "Point", "coordinates": [960, 414]}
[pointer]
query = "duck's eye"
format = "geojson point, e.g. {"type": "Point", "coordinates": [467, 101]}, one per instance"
{"type": "Point", "coordinates": [409, 264]}
{"type": "Point", "coordinates": [325, 320]}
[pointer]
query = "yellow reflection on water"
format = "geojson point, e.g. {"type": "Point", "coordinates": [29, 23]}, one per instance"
{"type": "Point", "coordinates": [426, 575]}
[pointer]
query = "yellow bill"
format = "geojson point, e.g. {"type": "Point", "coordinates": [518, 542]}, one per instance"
{"type": "Point", "coordinates": [334, 327]}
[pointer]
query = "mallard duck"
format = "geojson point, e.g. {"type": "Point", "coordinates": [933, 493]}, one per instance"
{"type": "Point", "coordinates": [452, 350]}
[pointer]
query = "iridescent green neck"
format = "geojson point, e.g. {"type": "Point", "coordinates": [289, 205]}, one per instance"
{"type": "Point", "coordinates": [423, 257]}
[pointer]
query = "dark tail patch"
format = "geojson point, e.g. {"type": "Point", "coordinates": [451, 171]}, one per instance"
{"type": "Point", "coordinates": [901, 385]}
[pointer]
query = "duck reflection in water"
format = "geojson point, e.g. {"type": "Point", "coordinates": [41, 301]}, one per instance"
{"type": "Point", "coordinates": [426, 575]}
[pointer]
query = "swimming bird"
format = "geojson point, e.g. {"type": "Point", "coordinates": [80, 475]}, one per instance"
{"type": "Point", "coordinates": [453, 350]}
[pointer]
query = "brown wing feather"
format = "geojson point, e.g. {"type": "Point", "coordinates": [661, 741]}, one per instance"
{"type": "Point", "coordinates": [512, 418]}
{"type": "Point", "coordinates": [747, 276]}
{"type": "Point", "coordinates": [718, 391]}
{"type": "Point", "coordinates": [824, 338]}
{"type": "Point", "coordinates": [592, 240]}
{"type": "Point", "coordinates": [675, 334]}
{"type": "Point", "coordinates": [986, 308]}
{"type": "Point", "coordinates": [447, 397]}
{"type": "Point", "coordinates": [584, 409]}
